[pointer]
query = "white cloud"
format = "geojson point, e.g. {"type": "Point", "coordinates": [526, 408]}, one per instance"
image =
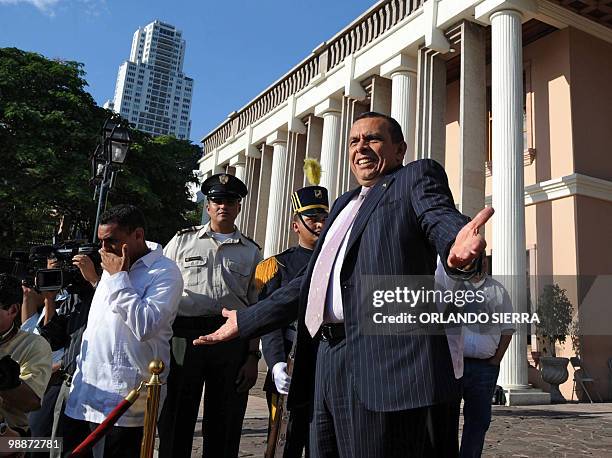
{"type": "Point", "coordinates": [46, 6]}
{"type": "Point", "coordinates": [94, 7]}
{"type": "Point", "coordinates": [89, 7]}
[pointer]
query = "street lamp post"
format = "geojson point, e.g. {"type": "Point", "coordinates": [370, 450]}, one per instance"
{"type": "Point", "coordinates": [108, 156]}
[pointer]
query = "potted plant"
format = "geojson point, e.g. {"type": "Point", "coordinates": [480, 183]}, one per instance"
{"type": "Point", "coordinates": [555, 315]}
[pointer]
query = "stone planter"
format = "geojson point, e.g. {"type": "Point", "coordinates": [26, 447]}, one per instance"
{"type": "Point", "coordinates": [554, 372]}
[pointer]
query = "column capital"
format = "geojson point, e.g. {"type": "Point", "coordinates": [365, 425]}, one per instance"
{"type": "Point", "coordinates": [329, 105]}
{"type": "Point", "coordinates": [399, 63]}
{"type": "Point", "coordinates": [238, 159]}
{"type": "Point", "coordinates": [486, 9]}
{"type": "Point", "coordinates": [252, 151]}
{"type": "Point", "coordinates": [276, 137]}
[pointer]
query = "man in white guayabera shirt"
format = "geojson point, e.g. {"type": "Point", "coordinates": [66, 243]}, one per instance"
{"type": "Point", "coordinates": [477, 350]}
{"type": "Point", "coordinates": [129, 325]}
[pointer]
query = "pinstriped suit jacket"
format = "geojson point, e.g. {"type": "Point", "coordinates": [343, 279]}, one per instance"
{"type": "Point", "coordinates": [406, 219]}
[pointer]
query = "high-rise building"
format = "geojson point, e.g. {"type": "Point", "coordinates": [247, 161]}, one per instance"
{"type": "Point", "coordinates": [152, 92]}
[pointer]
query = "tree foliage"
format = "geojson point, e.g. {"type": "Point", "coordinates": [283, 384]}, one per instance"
{"type": "Point", "coordinates": [154, 178]}
{"type": "Point", "coordinates": [49, 127]}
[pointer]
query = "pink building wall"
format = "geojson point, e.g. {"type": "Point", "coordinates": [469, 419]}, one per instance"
{"type": "Point", "coordinates": [570, 83]}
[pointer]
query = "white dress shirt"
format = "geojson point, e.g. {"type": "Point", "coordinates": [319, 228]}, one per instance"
{"type": "Point", "coordinates": [481, 341]}
{"type": "Point", "coordinates": [129, 325]}
{"type": "Point", "coordinates": [475, 340]}
{"type": "Point", "coordinates": [33, 324]}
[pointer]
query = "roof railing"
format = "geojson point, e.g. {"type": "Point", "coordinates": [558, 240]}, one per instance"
{"type": "Point", "coordinates": [352, 38]}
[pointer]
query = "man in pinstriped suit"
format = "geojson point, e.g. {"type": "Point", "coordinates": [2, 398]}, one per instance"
{"type": "Point", "coordinates": [373, 395]}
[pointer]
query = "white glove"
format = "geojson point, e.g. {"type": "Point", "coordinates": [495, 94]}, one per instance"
{"type": "Point", "coordinates": [282, 380]}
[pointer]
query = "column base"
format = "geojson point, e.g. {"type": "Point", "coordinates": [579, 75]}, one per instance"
{"type": "Point", "coordinates": [526, 396]}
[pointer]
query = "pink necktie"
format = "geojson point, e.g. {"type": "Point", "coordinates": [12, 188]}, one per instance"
{"type": "Point", "coordinates": [323, 269]}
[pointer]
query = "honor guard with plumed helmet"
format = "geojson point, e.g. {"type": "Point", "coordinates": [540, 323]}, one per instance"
{"type": "Point", "coordinates": [310, 207]}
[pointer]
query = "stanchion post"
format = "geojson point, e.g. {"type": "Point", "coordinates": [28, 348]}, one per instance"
{"type": "Point", "coordinates": [156, 367]}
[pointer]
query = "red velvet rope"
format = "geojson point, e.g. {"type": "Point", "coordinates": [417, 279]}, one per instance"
{"type": "Point", "coordinates": [102, 429]}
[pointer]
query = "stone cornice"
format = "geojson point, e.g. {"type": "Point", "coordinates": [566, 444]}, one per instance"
{"type": "Point", "coordinates": [575, 184]}
{"type": "Point", "coordinates": [561, 17]}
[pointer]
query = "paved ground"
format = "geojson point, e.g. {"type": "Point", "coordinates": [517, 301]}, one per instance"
{"type": "Point", "coordinates": [564, 431]}
{"type": "Point", "coordinates": [569, 430]}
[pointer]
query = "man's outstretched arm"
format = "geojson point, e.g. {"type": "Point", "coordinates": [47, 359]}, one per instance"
{"type": "Point", "coordinates": [456, 239]}
{"type": "Point", "coordinates": [277, 310]}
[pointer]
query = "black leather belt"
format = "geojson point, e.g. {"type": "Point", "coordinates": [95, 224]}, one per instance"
{"type": "Point", "coordinates": [332, 331]}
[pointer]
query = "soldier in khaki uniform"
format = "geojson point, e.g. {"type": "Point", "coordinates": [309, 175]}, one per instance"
{"type": "Point", "coordinates": [218, 265]}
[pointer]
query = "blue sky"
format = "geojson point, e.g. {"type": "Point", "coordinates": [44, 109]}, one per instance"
{"type": "Point", "coordinates": [235, 49]}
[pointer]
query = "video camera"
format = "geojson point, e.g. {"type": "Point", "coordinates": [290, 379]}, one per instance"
{"type": "Point", "coordinates": [32, 268]}
{"type": "Point", "coordinates": [66, 274]}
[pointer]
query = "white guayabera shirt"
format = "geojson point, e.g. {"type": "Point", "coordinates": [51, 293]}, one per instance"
{"type": "Point", "coordinates": [129, 325]}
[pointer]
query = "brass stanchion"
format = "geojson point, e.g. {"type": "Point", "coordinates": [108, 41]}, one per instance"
{"type": "Point", "coordinates": [156, 367]}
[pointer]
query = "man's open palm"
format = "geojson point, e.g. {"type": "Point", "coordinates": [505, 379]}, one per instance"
{"type": "Point", "coordinates": [226, 332]}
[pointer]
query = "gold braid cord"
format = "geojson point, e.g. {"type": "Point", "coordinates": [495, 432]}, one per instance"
{"type": "Point", "coordinates": [265, 271]}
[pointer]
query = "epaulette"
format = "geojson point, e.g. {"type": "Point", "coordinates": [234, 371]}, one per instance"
{"type": "Point", "coordinates": [189, 229]}
{"type": "Point", "coordinates": [250, 239]}
{"type": "Point", "coordinates": [265, 271]}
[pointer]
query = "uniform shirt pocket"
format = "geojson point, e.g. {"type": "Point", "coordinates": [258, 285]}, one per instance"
{"type": "Point", "coordinates": [239, 268]}
{"type": "Point", "coordinates": [193, 271]}
{"type": "Point", "coordinates": [239, 275]}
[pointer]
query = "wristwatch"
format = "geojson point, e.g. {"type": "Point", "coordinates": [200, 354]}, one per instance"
{"type": "Point", "coordinates": [255, 353]}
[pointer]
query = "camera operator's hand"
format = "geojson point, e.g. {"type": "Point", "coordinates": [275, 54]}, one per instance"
{"type": "Point", "coordinates": [87, 268]}
{"type": "Point", "coordinates": [113, 263]}
{"type": "Point", "coordinates": [53, 263]}
{"type": "Point", "coordinates": [31, 297]}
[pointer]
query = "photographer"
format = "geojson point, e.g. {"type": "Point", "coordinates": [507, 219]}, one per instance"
{"type": "Point", "coordinates": [62, 323]}
{"type": "Point", "coordinates": [25, 363]}
{"type": "Point", "coordinates": [129, 325]}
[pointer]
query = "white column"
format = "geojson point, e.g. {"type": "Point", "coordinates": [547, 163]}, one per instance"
{"type": "Point", "coordinates": [403, 107]}
{"type": "Point", "coordinates": [240, 171]}
{"type": "Point", "coordinates": [239, 164]}
{"type": "Point", "coordinates": [472, 119]}
{"type": "Point", "coordinates": [330, 110]}
{"type": "Point", "coordinates": [402, 70]}
{"type": "Point", "coordinates": [314, 138]}
{"type": "Point", "coordinates": [278, 141]}
{"type": "Point", "coordinates": [260, 207]}
{"type": "Point", "coordinates": [509, 261]}
{"type": "Point", "coordinates": [431, 106]}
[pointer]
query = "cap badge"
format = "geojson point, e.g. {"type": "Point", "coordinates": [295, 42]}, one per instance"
{"type": "Point", "coordinates": [318, 193]}
{"type": "Point", "coordinates": [223, 179]}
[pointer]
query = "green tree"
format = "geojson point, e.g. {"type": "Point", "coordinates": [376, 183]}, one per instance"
{"type": "Point", "coordinates": [153, 178]}
{"type": "Point", "coordinates": [49, 127]}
